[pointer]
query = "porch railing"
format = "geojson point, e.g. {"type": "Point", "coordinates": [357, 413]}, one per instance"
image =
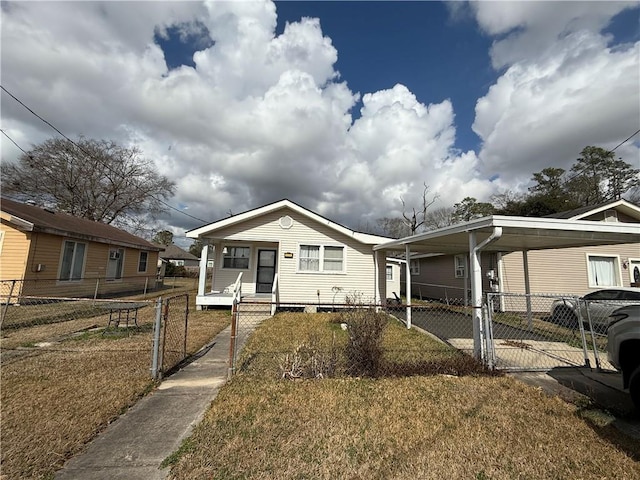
{"type": "Point", "coordinates": [237, 288]}
{"type": "Point", "coordinates": [274, 295]}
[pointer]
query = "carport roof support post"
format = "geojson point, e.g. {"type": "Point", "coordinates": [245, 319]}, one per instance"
{"type": "Point", "coordinates": [407, 253]}
{"type": "Point", "coordinates": [476, 286]}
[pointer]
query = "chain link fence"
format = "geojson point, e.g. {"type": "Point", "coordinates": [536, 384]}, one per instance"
{"type": "Point", "coordinates": [11, 291]}
{"type": "Point", "coordinates": [311, 341]}
{"type": "Point", "coordinates": [517, 332]}
{"type": "Point", "coordinates": [539, 332]}
{"type": "Point", "coordinates": [170, 334]}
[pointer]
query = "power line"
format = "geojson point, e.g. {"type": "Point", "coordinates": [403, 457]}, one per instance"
{"type": "Point", "coordinates": [107, 166]}
{"type": "Point", "coordinates": [14, 142]}
{"type": "Point", "coordinates": [625, 141]}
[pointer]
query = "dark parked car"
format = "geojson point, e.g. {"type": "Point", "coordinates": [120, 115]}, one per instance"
{"type": "Point", "coordinates": [598, 306]}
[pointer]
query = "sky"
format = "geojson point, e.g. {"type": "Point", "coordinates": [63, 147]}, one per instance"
{"type": "Point", "coordinates": [346, 108]}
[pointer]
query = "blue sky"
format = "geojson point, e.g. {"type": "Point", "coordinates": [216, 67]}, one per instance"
{"type": "Point", "coordinates": [414, 43]}
{"type": "Point", "coordinates": [348, 112]}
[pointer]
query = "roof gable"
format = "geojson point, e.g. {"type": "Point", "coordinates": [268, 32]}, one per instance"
{"type": "Point", "coordinates": [364, 238]}
{"type": "Point", "coordinates": [31, 218]}
{"type": "Point", "coordinates": [175, 252]}
{"type": "Point", "coordinates": [582, 213]}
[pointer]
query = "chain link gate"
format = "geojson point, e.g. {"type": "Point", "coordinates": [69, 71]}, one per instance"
{"type": "Point", "coordinates": [170, 334]}
{"type": "Point", "coordinates": [540, 332]}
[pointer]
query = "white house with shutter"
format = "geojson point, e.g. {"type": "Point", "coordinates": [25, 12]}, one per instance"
{"type": "Point", "coordinates": [292, 256]}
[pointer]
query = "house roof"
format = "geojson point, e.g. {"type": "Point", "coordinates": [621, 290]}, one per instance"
{"type": "Point", "coordinates": [518, 234]}
{"type": "Point", "coordinates": [174, 252]}
{"type": "Point", "coordinates": [30, 218]}
{"type": "Point", "coordinates": [279, 205]}
{"type": "Point", "coordinates": [579, 213]}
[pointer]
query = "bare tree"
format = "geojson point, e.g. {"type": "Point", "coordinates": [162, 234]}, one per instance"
{"type": "Point", "coordinates": [393, 227]}
{"type": "Point", "coordinates": [439, 218]}
{"type": "Point", "coordinates": [417, 217]}
{"type": "Point", "coordinates": [94, 179]}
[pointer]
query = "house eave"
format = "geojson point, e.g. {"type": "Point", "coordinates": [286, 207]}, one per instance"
{"type": "Point", "coordinates": [91, 238]}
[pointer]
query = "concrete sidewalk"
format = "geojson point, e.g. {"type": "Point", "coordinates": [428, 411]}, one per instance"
{"type": "Point", "coordinates": [134, 446]}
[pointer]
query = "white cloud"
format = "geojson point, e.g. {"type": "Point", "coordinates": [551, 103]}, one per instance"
{"type": "Point", "coordinates": [265, 116]}
{"type": "Point", "coordinates": [260, 117]}
{"type": "Point", "coordinates": [564, 87]}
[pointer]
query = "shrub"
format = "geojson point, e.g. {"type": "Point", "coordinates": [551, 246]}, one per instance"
{"type": "Point", "coordinates": [364, 348]}
{"type": "Point", "coordinates": [309, 360]}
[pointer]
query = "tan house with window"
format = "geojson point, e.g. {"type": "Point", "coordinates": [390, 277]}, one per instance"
{"type": "Point", "coordinates": [292, 256]}
{"type": "Point", "coordinates": [576, 270]}
{"type": "Point", "coordinates": [579, 270]}
{"type": "Point", "coordinates": [56, 254]}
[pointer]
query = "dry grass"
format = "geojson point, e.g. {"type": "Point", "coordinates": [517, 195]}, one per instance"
{"type": "Point", "coordinates": [57, 398]}
{"type": "Point", "coordinates": [427, 427]}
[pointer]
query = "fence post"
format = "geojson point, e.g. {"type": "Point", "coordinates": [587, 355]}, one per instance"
{"type": "Point", "coordinates": [156, 338]}
{"type": "Point", "coordinates": [146, 284]}
{"type": "Point", "coordinates": [186, 324]}
{"type": "Point", "coordinates": [95, 294]}
{"type": "Point", "coordinates": [6, 307]}
{"type": "Point", "coordinates": [232, 343]}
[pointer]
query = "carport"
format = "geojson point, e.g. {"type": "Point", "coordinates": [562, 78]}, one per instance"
{"type": "Point", "coordinates": [506, 234]}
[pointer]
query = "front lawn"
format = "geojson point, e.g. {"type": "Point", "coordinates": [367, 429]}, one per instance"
{"type": "Point", "coordinates": [62, 383]}
{"type": "Point", "coordinates": [476, 426]}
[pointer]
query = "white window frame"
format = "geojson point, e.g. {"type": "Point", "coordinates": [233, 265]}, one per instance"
{"type": "Point", "coordinates": [630, 262]}
{"type": "Point", "coordinates": [616, 264]}
{"type": "Point", "coordinates": [177, 263]}
{"type": "Point", "coordinates": [414, 266]}
{"type": "Point", "coordinates": [460, 265]}
{"type": "Point", "coordinates": [229, 247]}
{"type": "Point", "coordinates": [146, 261]}
{"type": "Point", "coordinates": [389, 273]}
{"type": "Point", "coordinates": [118, 276]}
{"type": "Point", "coordinates": [1, 239]}
{"type": "Point", "coordinates": [73, 261]}
{"type": "Point", "coordinates": [321, 259]}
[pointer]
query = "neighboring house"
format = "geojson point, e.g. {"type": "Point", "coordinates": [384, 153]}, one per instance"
{"type": "Point", "coordinates": [53, 253]}
{"type": "Point", "coordinates": [576, 270]}
{"type": "Point", "coordinates": [579, 270]}
{"type": "Point", "coordinates": [179, 257]}
{"type": "Point", "coordinates": [393, 268]}
{"type": "Point", "coordinates": [292, 255]}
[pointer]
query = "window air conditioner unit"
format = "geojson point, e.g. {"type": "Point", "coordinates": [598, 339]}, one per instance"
{"type": "Point", "coordinates": [114, 255]}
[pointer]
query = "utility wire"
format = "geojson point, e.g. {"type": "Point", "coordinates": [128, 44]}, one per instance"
{"type": "Point", "coordinates": [83, 151]}
{"type": "Point", "coordinates": [14, 142]}
{"type": "Point", "coordinates": [625, 141]}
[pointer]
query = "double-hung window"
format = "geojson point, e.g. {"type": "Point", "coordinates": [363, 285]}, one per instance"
{"type": "Point", "coordinates": [460, 262]}
{"type": "Point", "coordinates": [72, 260]}
{"type": "Point", "coordinates": [320, 258]}
{"type": "Point", "coordinates": [604, 271]}
{"type": "Point", "coordinates": [236, 257]}
{"type": "Point", "coordinates": [142, 262]}
{"type": "Point", "coordinates": [389, 272]}
{"type": "Point", "coordinates": [414, 267]}
{"type": "Point", "coordinates": [115, 263]}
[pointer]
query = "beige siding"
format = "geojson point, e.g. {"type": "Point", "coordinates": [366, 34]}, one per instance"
{"type": "Point", "coordinates": [563, 270]}
{"type": "Point", "coordinates": [14, 253]}
{"type": "Point", "coordinates": [295, 286]}
{"type": "Point", "coordinates": [41, 267]}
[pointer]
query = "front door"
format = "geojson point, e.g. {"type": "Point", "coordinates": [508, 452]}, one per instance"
{"type": "Point", "coordinates": [266, 271]}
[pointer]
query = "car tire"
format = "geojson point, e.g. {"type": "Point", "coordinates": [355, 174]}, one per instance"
{"type": "Point", "coordinates": [634, 387]}
{"type": "Point", "coordinates": [565, 317]}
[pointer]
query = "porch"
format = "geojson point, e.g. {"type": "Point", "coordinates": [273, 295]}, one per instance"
{"type": "Point", "coordinates": [225, 299]}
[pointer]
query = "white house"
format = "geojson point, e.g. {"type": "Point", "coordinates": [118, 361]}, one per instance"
{"type": "Point", "coordinates": [291, 255]}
